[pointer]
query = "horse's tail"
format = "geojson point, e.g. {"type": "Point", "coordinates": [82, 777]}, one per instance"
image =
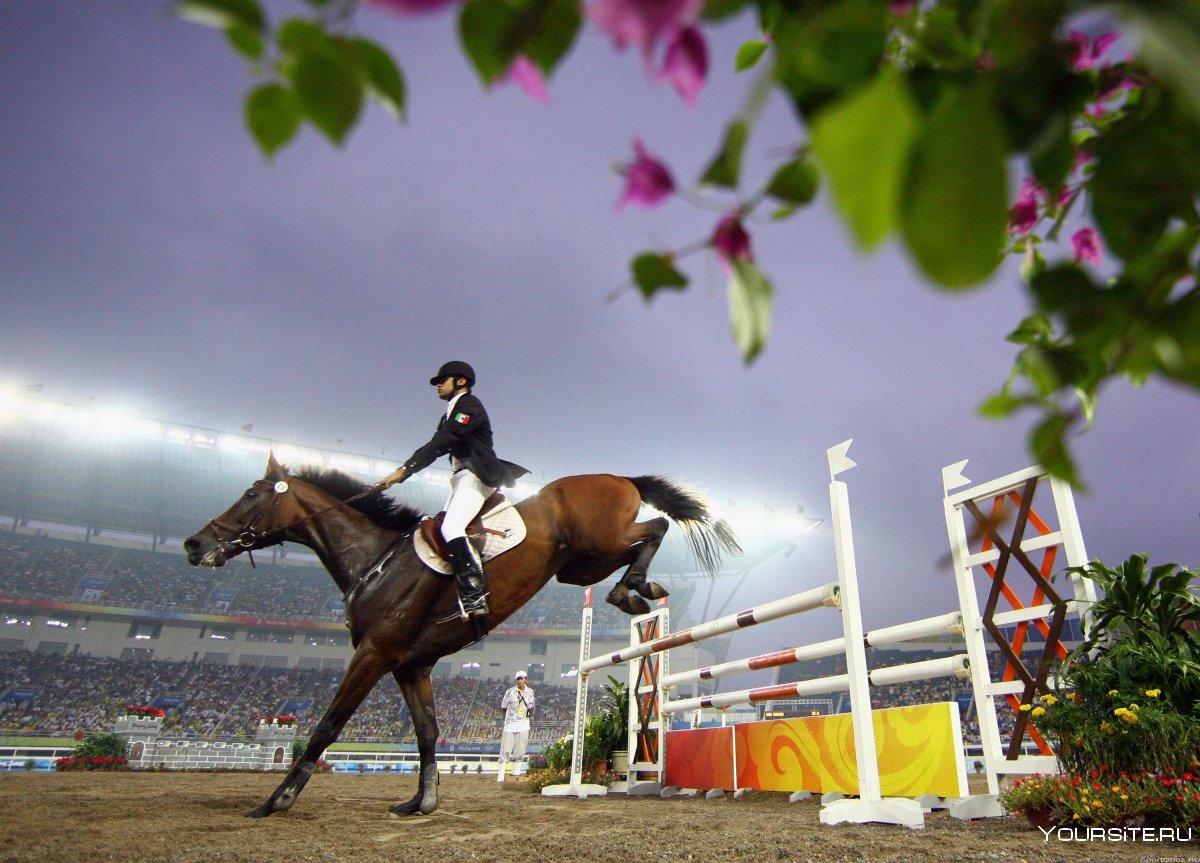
{"type": "Point", "coordinates": [708, 536]}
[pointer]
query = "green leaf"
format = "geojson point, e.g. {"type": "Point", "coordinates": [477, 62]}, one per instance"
{"type": "Point", "coordinates": [1048, 445]}
{"type": "Point", "coordinates": [1052, 154]}
{"type": "Point", "coordinates": [1033, 329]}
{"type": "Point", "coordinates": [1002, 404]}
{"type": "Point", "coordinates": [794, 183]}
{"type": "Point", "coordinates": [247, 42]}
{"type": "Point", "coordinates": [485, 28]}
{"type": "Point", "coordinates": [298, 34]}
{"type": "Point", "coordinates": [273, 115]}
{"type": "Point", "coordinates": [1146, 175]}
{"type": "Point", "coordinates": [725, 167]}
{"type": "Point", "coordinates": [550, 30]}
{"type": "Point", "coordinates": [385, 82]}
{"type": "Point", "coordinates": [749, 54]}
{"type": "Point", "coordinates": [956, 205]}
{"type": "Point", "coordinates": [865, 164]}
{"type": "Point", "coordinates": [329, 89]}
{"type": "Point", "coordinates": [653, 272]}
{"type": "Point", "coordinates": [835, 45]}
{"type": "Point", "coordinates": [749, 309]}
{"type": "Point", "coordinates": [715, 10]}
{"type": "Point", "coordinates": [223, 14]}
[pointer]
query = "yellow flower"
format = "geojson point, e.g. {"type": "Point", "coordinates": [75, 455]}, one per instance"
{"type": "Point", "coordinates": [1038, 711]}
{"type": "Point", "coordinates": [1124, 796]}
{"type": "Point", "coordinates": [1113, 692]}
{"type": "Point", "coordinates": [1025, 708]}
{"type": "Point", "coordinates": [1104, 726]}
{"type": "Point", "coordinates": [1116, 788]}
{"type": "Point", "coordinates": [1153, 693]}
{"type": "Point", "coordinates": [1097, 803]}
{"type": "Point", "coordinates": [1075, 817]}
{"type": "Point", "coordinates": [1134, 708]}
{"type": "Point", "coordinates": [1049, 700]}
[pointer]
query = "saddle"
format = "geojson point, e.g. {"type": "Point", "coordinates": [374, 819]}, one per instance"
{"type": "Point", "coordinates": [431, 528]}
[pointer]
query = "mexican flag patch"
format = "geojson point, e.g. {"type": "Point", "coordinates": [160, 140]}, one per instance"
{"type": "Point", "coordinates": [462, 418]}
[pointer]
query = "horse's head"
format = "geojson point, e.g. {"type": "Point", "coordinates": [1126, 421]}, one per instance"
{"type": "Point", "coordinates": [256, 520]}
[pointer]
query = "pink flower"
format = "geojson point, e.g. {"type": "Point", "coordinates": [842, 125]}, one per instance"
{"type": "Point", "coordinates": [731, 241]}
{"type": "Point", "coordinates": [643, 22]}
{"type": "Point", "coordinates": [686, 64]}
{"type": "Point", "coordinates": [528, 77]}
{"type": "Point", "coordinates": [1024, 213]}
{"type": "Point", "coordinates": [647, 180]}
{"type": "Point", "coordinates": [1086, 52]}
{"type": "Point", "coordinates": [1086, 245]}
{"type": "Point", "coordinates": [411, 7]}
{"type": "Point", "coordinates": [901, 7]}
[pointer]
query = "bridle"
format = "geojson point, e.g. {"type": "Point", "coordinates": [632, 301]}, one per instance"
{"type": "Point", "coordinates": [253, 536]}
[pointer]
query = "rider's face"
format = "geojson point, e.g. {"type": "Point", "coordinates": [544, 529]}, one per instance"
{"type": "Point", "coordinates": [446, 388]}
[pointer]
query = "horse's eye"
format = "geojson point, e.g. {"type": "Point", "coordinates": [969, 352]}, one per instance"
{"type": "Point", "coordinates": [251, 493]}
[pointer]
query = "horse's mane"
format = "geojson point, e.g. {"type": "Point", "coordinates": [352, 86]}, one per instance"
{"type": "Point", "coordinates": [378, 507]}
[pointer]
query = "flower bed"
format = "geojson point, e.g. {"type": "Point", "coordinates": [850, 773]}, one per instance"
{"type": "Point", "coordinates": [281, 721]}
{"type": "Point", "coordinates": [1103, 798]}
{"type": "Point", "coordinates": [92, 762]}
{"type": "Point", "coordinates": [146, 712]}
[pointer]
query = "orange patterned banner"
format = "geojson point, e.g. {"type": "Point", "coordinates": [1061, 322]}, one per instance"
{"type": "Point", "coordinates": [919, 750]}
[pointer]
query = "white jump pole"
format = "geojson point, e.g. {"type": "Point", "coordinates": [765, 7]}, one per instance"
{"type": "Point", "coordinates": [576, 787]}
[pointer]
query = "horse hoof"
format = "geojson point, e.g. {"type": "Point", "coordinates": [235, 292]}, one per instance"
{"type": "Point", "coordinates": [634, 605]}
{"type": "Point", "coordinates": [652, 590]}
{"type": "Point", "coordinates": [261, 811]}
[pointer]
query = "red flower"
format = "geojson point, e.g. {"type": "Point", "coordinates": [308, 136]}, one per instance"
{"type": "Point", "coordinates": [647, 180]}
{"type": "Point", "coordinates": [731, 240]}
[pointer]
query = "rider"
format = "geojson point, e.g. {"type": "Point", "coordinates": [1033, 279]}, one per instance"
{"type": "Point", "coordinates": [465, 433]}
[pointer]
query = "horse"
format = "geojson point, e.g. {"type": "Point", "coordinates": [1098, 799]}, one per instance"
{"type": "Point", "coordinates": [402, 615]}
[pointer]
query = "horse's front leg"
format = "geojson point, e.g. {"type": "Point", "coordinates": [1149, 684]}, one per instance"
{"type": "Point", "coordinates": [418, 694]}
{"type": "Point", "coordinates": [366, 667]}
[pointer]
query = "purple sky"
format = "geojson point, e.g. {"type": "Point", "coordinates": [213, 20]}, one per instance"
{"type": "Point", "coordinates": [149, 258]}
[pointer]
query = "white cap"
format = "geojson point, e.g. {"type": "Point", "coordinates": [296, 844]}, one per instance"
{"type": "Point", "coordinates": [520, 674]}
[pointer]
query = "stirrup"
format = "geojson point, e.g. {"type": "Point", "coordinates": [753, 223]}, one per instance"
{"type": "Point", "coordinates": [478, 615]}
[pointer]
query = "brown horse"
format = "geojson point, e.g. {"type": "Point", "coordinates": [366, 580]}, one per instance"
{"type": "Point", "coordinates": [402, 615]}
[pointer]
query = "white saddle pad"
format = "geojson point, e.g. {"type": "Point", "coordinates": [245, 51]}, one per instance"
{"type": "Point", "coordinates": [504, 518]}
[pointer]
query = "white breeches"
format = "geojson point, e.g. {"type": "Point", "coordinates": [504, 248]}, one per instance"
{"type": "Point", "coordinates": [467, 494]}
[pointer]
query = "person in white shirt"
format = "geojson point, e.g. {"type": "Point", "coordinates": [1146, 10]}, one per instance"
{"type": "Point", "coordinates": [518, 704]}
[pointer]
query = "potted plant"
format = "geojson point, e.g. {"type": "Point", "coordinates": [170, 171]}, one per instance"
{"type": "Point", "coordinates": [612, 725]}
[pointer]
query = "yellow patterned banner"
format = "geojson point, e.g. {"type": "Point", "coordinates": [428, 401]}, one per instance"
{"type": "Point", "coordinates": [919, 750]}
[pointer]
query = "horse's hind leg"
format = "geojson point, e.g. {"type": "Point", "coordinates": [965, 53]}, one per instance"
{"type": "Point", "coordinates": [365, 669]}
{"type": "Point", "coordinates": [635, 580]}
{"type": "Point", "coordinates": [418, 694]}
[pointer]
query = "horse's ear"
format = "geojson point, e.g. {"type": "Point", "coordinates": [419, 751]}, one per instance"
{"type": "Point", "coordinates": [274, 469]}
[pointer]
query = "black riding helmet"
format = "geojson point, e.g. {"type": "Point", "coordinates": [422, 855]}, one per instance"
{"type": "Point", "coordinates": [457, 369]}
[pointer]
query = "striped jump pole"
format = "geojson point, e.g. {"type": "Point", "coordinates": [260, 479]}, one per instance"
{"type": "Point", "coordinates": [827, 595]}
{"type": "Point", "coordinates": [947, 666]}
{"type": "Point", "coordinates": [939, 625]}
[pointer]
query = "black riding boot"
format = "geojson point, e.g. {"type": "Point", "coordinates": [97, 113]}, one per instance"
{"type": "Point", "coordinates": [468, 570]}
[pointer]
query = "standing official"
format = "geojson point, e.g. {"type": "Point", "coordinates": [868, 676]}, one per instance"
{"type": "Point", "coordinates": [518, 704]}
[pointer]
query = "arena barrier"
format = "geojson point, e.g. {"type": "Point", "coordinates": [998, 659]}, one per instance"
{"type": "Point", "coordinates": [711, 758]}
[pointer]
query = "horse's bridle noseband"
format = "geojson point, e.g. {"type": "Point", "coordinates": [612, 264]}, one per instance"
{"type": "Point", "coordinates": [251, 537]}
